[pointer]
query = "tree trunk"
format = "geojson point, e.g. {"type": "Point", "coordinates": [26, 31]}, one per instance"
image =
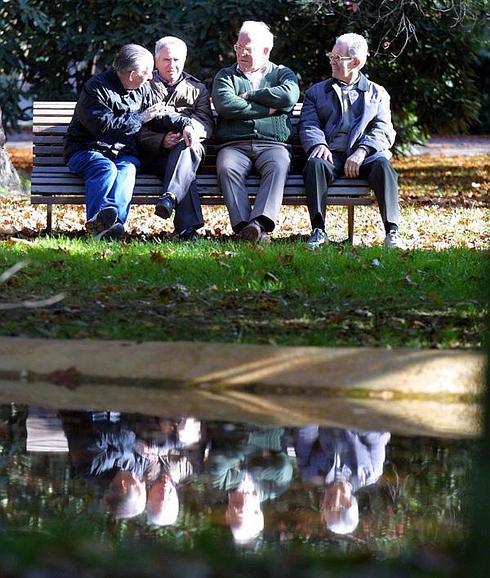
{"type": "Point", "coordinates": [9, 179]}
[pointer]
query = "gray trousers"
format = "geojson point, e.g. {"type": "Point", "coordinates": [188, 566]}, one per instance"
{"type": "Point", "coordinates": [234, 162]}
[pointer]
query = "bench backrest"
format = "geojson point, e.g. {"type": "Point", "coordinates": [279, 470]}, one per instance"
{"type": "Point", "coordinates": [51, 120]}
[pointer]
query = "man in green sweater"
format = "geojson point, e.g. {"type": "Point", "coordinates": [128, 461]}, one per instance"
{"type": "Point", "coordinates": [254, 99]}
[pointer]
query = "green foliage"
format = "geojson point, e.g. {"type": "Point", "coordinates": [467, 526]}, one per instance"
{"type": "Point", "coordinates": [422, 51]}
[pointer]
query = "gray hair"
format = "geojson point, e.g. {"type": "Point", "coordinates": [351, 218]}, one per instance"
{"type": "Point", "coordinates": [260, 29]}
{"type": "Point", "coordinates": [356, 46]}
{"type": "Point", "coordinates": [170, 41]}
{"type": "Point", "coordinates": [132, 57]}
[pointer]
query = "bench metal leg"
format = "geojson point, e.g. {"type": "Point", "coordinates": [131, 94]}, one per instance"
{"type": "Point", "coordinates": [350, 222]}
{"type": "Point", "coordinates": [49, 218]}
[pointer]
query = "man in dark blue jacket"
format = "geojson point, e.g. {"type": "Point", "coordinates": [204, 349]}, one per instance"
{"type": "Point", "coordinates": [342, 462]}
{"type": "Point", "coordinates": [100, 144]}
{"type": "Point", "coordinates": [345, 129]}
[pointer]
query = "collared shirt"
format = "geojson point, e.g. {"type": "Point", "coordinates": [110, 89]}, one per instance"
{"type": "Point", "coordinates": [255, 76]}
{"type": "Point", "coordinates": [349, 95]}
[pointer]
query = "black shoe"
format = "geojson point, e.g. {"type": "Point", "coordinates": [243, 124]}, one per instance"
{"type": "Point", "coordinates": [317, 238]}
{"type": "Point", "coordinates": [165, 206]}
{"type": "Point", "coordinates": [189, 234]}
{"type": "Point", "coordinates": [252, 232]}
{"type": "Point", "coordinates": [114, 233]}
{"type": "Point", "coordinates": [102, 222]}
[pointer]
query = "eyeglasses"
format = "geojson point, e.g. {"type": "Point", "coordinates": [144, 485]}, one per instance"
{"type": "Point", "coordinates": [337, 58]}
{"type": "Point", "coordinates": [243, 49]}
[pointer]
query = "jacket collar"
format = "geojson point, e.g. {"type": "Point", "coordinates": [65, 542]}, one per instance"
{"type": "Point", "coordinates": [184, 76]}
{"type": "Point", "coordinates": [113, 77]}
{"type": "Point", "coordinates": [363, 83]}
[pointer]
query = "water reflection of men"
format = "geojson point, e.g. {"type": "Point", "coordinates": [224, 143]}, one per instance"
{"type": "Point", "coordinates": [162, 506]}
{"type": "Point", "coordinates": [104, 453]}
{"type": "Point", "coordinates": [342, 461]}
{"type": "Point", "coordinates": [252, 467]}
{"type": "Point", "coordinates": [175, 448]}
{"type": "Point", "coordinates": [136, 464]}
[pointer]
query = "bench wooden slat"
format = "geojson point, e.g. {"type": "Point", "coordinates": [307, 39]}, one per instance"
{"type": "Point", "coordinates": [41, 140]}
{"type": "Point", "coordinates": [53, 150]}
{"type": "Point", "coordinates": [52, 114]}
{"type": "Point", "coordinates": [51, 119]}
{"type": "Point", "coordinates": [60, 179]}
{"type": "Point", "coordinates": [70, 104]}
{"type": "Point", "coordinates": [141, 198]}
{"type": "Point", "coordinates": [204, 190]}
{"type": "Point", "coordinates": [294, 183]}
{"type": "Point", "coordinates": [53, 129]}
{"type": "Point", "coordinates": [53, 103]}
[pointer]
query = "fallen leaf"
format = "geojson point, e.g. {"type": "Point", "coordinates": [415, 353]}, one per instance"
{"type": "Point", "coordinates": [158, 257]}
{"type": "Point", "coordinates": [286, 259]}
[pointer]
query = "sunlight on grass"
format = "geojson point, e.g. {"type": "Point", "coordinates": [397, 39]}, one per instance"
{"type": "Point", "coordinates": [227, 291]}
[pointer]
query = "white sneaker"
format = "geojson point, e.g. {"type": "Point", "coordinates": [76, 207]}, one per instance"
{"type": "Point", "coordinates": [394, 241]}
{"type": "Point", "coordinates": [317, 239]}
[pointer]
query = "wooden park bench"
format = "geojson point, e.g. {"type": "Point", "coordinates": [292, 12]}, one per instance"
{"type": "Point", "coordinates": [53, 184]}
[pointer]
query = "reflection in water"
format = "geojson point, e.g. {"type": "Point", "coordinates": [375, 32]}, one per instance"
{"type": "Point", "coordinates": [342, 462]}
{"type": "Point", "coordinates": [176, 477]}
{"type": "Point", "coordinates": [135, 462]}
{"type": "Point", "coordinates": [251, 465]}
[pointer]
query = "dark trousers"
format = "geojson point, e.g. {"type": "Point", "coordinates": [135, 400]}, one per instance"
{"type": "Point", "coordinates": [320, 174]}
{"type": "Point", "coordinates": [177, 167]}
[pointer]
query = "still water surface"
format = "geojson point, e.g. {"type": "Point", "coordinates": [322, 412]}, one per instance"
{"type": "Point", "coordinates": [172, 478]}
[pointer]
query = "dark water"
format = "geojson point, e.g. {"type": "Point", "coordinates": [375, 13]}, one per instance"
{"type": "Point", "coordinates": [174, 478]}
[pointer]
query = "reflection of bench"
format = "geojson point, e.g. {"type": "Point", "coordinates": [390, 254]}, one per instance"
{"type": "Point", "coordinates": [53, 184]}
{"type": "Point", "coordinates": [45, 431]}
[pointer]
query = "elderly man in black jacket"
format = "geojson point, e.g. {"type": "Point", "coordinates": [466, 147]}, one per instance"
{"type": "Point", "coordinates": [100, 143]}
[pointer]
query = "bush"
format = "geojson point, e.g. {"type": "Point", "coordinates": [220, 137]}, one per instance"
{"type": "Point", "coordinates": [422, 51]}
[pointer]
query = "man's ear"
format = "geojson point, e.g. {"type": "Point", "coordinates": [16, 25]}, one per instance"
{"type": "Point", "coordinates": [267, 51]}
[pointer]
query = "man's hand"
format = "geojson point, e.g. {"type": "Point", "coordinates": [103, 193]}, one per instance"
{"type": "Point", "coordinates": [272, 111]}
{"type": "Point", "coordinates": [354, 162]}
{"type": "Point", "coordinates": [171, 139]}
{"type": "Point", "coordinates": [152, 112]}
{"type": "Point", "coordinates": [189, 136]}
{"type": "Point", "coordinates": [321, 151]}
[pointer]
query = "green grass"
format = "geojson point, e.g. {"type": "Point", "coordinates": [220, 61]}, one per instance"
{"type": "Point", "coordinates": [66, 547]}
{"type": "Point", "coordinates": [231, 292]}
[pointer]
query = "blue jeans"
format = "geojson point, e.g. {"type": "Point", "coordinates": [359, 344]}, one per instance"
{"type": "Point", "coordinates": [108, 183]}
